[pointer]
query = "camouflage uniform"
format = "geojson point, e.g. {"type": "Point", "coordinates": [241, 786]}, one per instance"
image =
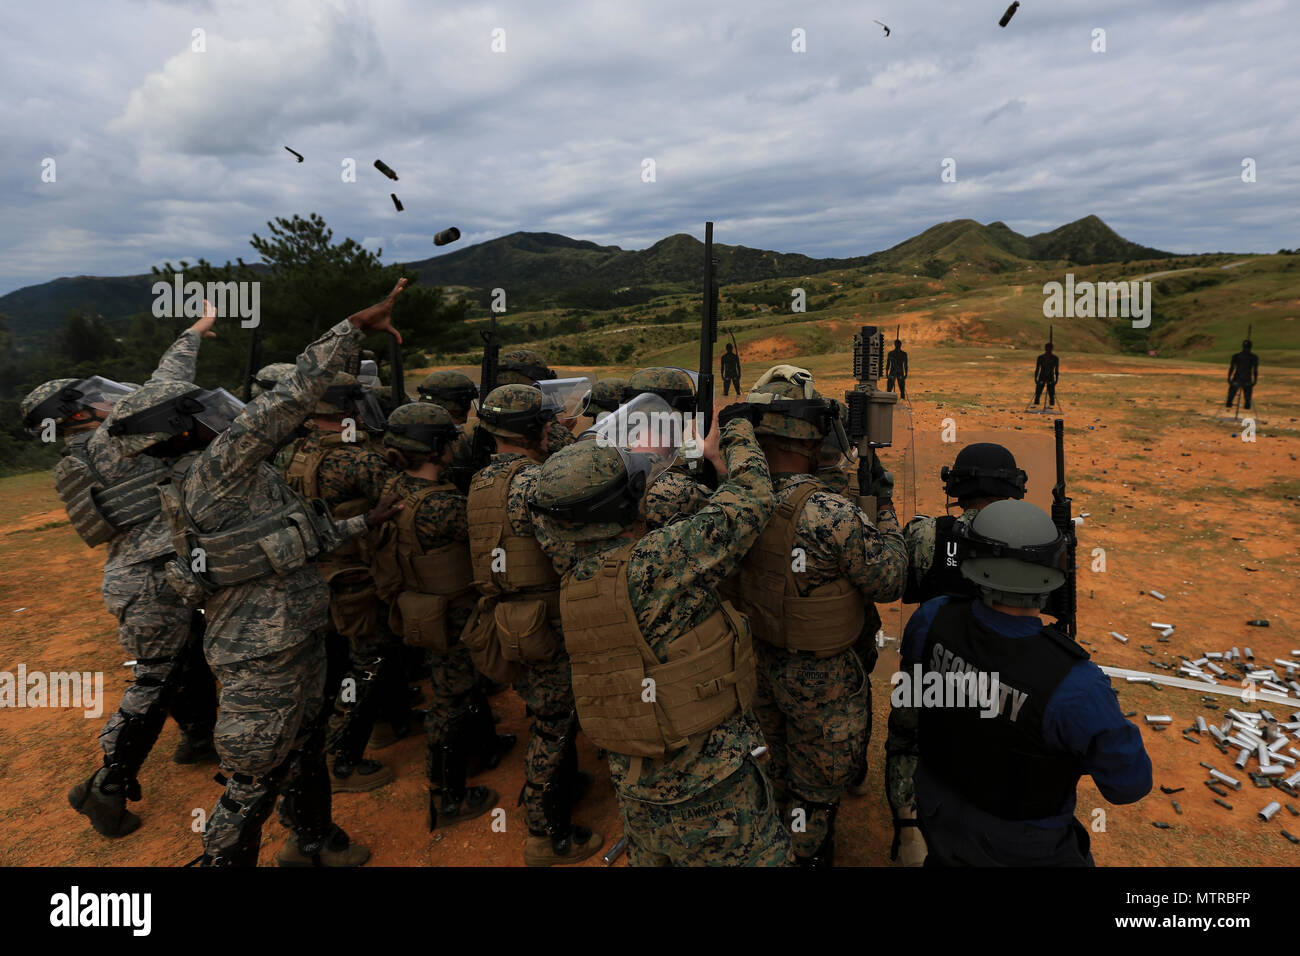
{"type": "Point", "coordinates": [265, 639]}
{"type": "Point", "coordinates": [352, 474]}
{"type": "Point", "coordinates": [709, 802]}
{"type": "Point", "coordinates": [816, 711]}
{"type": "Point", "coordinates": [157, 630]}
{"type": "Point", "coordinates": [544, 683]}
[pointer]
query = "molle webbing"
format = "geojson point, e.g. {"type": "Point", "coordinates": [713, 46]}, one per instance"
{"type": "Point", "coordinates": [630, 702]}
{"type": "Point", "coordinates": [826, 622]}
{"type": "Point", "coordinates": [100, 511]}
{"type": "Point", "coordinates": [444, 570]}
{"type": "Point", "coordinates": [303, 476]}
{"type": "Point", "coordinates": [527, 568]}
{"type": "Point", "coordinates": [280, 542]}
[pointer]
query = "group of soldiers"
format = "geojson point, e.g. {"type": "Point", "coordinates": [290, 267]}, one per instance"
{"type": "Point", "coordinates": [704, 611]}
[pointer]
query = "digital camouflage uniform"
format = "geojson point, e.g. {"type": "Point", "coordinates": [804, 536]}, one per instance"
{"type": "Point", "coordinates": [816, 711]}
{"type": "Point", "coordinates": [350, 474]}
{"type": "Point", "coordinates": [265, 637]}
{"type": "Point", "coordinates": [708, 803]}
{"type": "Point", "coordinates": [155, 623]}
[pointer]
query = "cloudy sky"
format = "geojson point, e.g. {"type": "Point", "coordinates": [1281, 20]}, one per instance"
{"type": "Point", "coordinates": [162, 152]}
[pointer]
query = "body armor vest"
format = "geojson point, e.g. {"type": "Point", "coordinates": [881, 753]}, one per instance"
{"type": "Point", "coordinates": [526, 568]}
{"type": "Point", "coordinates": [1001, 765]}
{"type": "Point", "coordinates": [402, 564]}
{"type": "Point", "coordinates": [708, 676]}
{"type": "Point", "coordinates": [276, 543]}
{"type": "Point", "coordinates": [303, 476]}
{"type": "Point", "coordinates": [944, 574]}
{"type": "Point", "coordinates": [826, 622]}
{"type": "Point", "coordinates": [100, 510]}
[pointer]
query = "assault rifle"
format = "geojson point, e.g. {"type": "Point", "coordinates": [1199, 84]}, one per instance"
{"type": "Point", "coordinates": [708, 336]}
{"type": "Point", "coordinates": [483, 445]}
{"type": "Point", "coordinates": [870, 422]}
{"type": "Point", "coordinates": [1062, 604]}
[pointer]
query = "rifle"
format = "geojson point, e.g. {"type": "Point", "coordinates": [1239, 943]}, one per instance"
{"type": "Point", "coordinates": [870, 422]}
{"type": "Point", "coordinates": [483, 446]}
{"type": "Point", "coordinates": [254, 362]}
{"type": "Point", "coordinates": [708, 336]}
{"type": "Point", "coordinates": [1063, 602]}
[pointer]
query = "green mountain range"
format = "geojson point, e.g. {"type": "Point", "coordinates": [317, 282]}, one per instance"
{"type": "Point", "coordinates": [535, 265]}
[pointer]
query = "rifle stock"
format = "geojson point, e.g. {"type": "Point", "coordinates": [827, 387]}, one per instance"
{"type": "Point", "coordinates": [1063, 602]}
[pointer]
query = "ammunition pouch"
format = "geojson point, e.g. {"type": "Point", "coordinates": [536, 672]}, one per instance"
{"type": "Point", "coordinates": [481, 640]}
{"type": "Point", "coordinates": [524, 630]}
{"type": "Point", "coordinates": [421, 619]}
{"type": "Point", "coordinates": [354, 603]}
{"type": "Point", "coordinates": [279, 543]}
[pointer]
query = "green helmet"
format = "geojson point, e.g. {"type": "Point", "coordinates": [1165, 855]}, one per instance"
{"type": "Point", "coordinates": [606, 395]}
{"type": "Point", "coordinates": [270, 376]}
{"type": "Point", "coordinates": [514, 411]}
{"type": "Point", "coordinates": [676, 386]}
{"type": "Point", "coordinates": [522, 367]}
{"type": "Point", "coordinates": [51, 400]}
{"type": "Point", "coordinates": [453, 390]}
{"type": "Point", "coordinates": [1014, 553]}
{"type": "Point", "coordinates": [341, 397]}
{"type": "Point", "coordinates": [158, 411]}
{"type": "Point", "coordinates": [68, 401]}
{"type": "Point", "coordinates": [780, 423]}
{"type": "Point", "coordinates": [583, 493]}
{"type": "Point", "coordinates": [420, 427]}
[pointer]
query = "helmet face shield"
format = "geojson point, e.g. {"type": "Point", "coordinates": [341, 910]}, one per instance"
{"type": "Point", "coordinates": [565, 397]}
{"type": "Point", "coordinates": [220, 408]}
{"type": "Point", "coordinates": [647, 433]}
{"type": "Point", "coordinates": [101, 393]}
{"type": "Point", "coordinates": [372, 413]}
{"type": "Point", "coordinates": [73, 403]}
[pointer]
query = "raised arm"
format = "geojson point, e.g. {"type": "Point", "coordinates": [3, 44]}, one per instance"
{"type": "Point", "coordinates": [178, 362]}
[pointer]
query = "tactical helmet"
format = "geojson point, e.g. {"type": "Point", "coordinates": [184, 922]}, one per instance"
{"type": "Point", "coordinates": [453, 390]}
{"type": "Point", "coordinates": [522, 367]}
{"type": "Point", "coordinates": [676, 386]}
{"type": "Point", "coordinates": [420, 427]}
{"type": "Point", "coordinates": [590, 490]}
{"type": "Point", "coordinates": [67, 401]}
{"type": "Point", "coordinates": [271, 375]}
{"type": "Point", "coordinates": [606, 395]}
{"type": "Point", "coordinates": [797, 410]}
{"type": "Point", "coordinates": [515, 411]}
{"type": "Point", "coordinates": [1014, 553]}
{"type": "Point", "coordinates": [341, 397]}
{"type": "Point", "coordinates": [983, 470]}
{"type": "Point", "coordinates": [159, 411]}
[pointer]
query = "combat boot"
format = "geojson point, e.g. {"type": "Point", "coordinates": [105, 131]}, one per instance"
{"type": "Point", "coordinates": [450, 800]}
{"type": "Point", "coordinates": [103, 798]}
{"type": "Point", "coordinates": [359, 777]}
{"type": "Point", "coordinates": [335, 850]}
{"type": "Point", "coordinates": [573, 846]}
{"type": "Point", "coordinates": [195, 746]}
{"type": "Point", "coordinates": [488, 745]}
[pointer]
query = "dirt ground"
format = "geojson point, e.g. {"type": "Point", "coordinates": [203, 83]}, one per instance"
{"type": "Point", "coordinates": [1179, 503]}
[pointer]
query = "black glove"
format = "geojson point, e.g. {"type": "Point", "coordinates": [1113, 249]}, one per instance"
{"type": "Point", "coordinates": [739, 410]}
{"type": "Point", "coordinates": [882, 482]}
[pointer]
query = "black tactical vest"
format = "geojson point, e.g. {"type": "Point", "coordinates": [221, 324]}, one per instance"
{"type": "Point", "coordinates": [1002, 766]}
{"type": "Point", "coordinates": [944, 574]}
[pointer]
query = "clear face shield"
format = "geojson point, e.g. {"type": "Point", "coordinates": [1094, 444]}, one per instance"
{"type": "Point", "coordinates": [647, 433]}
{"type": "Point", "coordinates": [371, 412]}
{"type": "Point", "coordinates": [566, 397]}
{"type": "Point", "coordinates": [101, 393]}
{"type": "Point", "coordinates": [219, 409]}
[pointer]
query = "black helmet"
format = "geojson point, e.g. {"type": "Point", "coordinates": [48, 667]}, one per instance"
{"type": "Point", "coordinates": [984, 470]}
